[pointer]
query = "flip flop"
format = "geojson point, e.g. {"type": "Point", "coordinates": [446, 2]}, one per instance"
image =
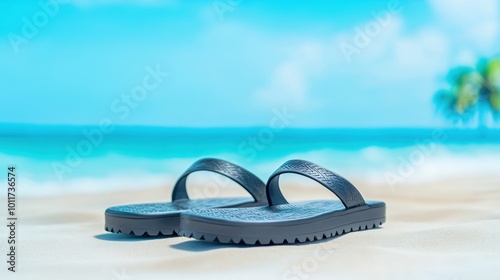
{"type": "Point", "coordinates": [152, 219]}
{"type": "Point", "coordinates": [281, 222]}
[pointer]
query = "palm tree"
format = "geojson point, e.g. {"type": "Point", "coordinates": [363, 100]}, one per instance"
{"type": "Point", "coordinates": [472, 91]}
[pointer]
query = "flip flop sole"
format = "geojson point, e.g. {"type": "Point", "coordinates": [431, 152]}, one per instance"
{"type": "Point", "coordinates": [154, 219]}
{"type": "Point", "coordinates": [284, 229]}
{"type": "Point", "coordinates": [142, 226]}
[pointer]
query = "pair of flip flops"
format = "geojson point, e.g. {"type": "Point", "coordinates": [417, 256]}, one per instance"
{"type": "Point", "coordinates": [266, 219]}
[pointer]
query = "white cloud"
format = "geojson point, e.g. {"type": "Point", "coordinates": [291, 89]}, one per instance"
{"type": "Point", "coordinates": [288, 84]}
{"type": "Point", "coordinates": [377, 45]}
{"type": "Point", "coordinates": [426, 48]}
{"type": "Point", "coordinates": [477, 22]}
{"type": "Point", "coordinates": [290, 79]}
{"type": "Point", "coordinates": [395, 55]}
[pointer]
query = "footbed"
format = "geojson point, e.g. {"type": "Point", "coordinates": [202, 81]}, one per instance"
{"type": "Point", "coordinates": [177, 206]}
{"type": "Point", "coordinates": [276, 213]}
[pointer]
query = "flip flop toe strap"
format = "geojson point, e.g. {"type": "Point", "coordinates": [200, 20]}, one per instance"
{"type": "Point", "coordinates": [340, 186]}
{"type": "Point", "coordinates": [238, 174]}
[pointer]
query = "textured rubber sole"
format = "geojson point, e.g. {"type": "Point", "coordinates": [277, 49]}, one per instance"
{"type": "Point", "coordinates": [157, 219]}
{"type": "Point", "coordinates": [142, 227]}
{"type": "Point", "coordinates": [254, 226]}
{"type": "Point", "coordinates": [283, 240]}
{"type": "Point", "coordinates": [139, 232]}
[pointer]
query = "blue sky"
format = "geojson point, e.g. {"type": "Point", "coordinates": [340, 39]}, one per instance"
{"type": "Point", "coordinates": [232, 63]}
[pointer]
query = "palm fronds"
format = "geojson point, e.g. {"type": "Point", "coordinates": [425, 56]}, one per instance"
{"type": "Point", "coordinates": [468, 87]}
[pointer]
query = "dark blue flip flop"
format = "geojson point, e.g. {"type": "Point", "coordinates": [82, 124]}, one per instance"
{"type": "Point", "coordinates": [283, 222]}
{"type": "Point", "coordinates": [152, 219]}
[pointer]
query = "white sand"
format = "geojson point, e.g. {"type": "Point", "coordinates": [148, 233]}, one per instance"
{"type": "Point", "coordinates": [443, 230]}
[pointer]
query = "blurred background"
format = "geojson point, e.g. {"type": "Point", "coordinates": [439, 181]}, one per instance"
{"type": "Point", "coordinates": [114, 95]}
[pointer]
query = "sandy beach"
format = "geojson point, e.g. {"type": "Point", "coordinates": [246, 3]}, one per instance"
{"type": "Point", "coordinates": [110, 103]}
{"type": "Point", "coordinates": [442, 230]}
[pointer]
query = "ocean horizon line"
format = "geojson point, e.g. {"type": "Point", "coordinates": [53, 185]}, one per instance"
{"type": "Point", "coordinates": [12, 129]}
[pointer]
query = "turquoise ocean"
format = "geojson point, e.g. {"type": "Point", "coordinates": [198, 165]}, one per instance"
{"type": "Point", "coordinates": [74, 159]}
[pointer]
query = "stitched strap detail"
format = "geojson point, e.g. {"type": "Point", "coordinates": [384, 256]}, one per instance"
{"type": "Point", "coordinates": [243, 177]}
{"type": "Point", "coordinates": [340, 186]}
